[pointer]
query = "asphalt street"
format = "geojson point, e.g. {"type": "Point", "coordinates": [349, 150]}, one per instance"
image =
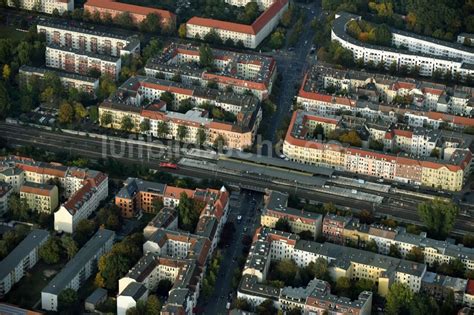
{"type": "Point", "coordinates": [248, 202]}
{"type": "Point", "coordinates": [292, 65]}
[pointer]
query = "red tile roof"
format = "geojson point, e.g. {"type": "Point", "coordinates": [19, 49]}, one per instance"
{"type": "Point", "coordinates": [124, 7]}
{"type": "Point", "coordinates": [253, 29]}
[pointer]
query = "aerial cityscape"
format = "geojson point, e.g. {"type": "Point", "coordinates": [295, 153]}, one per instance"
{"type": "Point", "coordinates": [242, 157]}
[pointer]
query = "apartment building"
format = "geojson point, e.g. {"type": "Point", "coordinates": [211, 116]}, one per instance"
{"type": "Point", "coordinates": [429, 55]}
{"type": "Point", "coordinates": [239, 71]}
{"type": "Point", "coordinates": [434, 251]}
{"type": "Point", "coordinates": [83, 188]}
{"type": "Point", "coordinates": [44, 6]}
{"type": "Point", "coordinates": [88, 38]}
{"type": "Point", "coordinates": [69, 80]}
{"type": "Point", "coordinates": [263, 4]}
{"type": "Point", "coordinates": [141, 88]}
{"type": "Point", "coordinates": [82, 62]}
{"type": "Point", "coordinates": [128, 101]}
{"type": "Point", "coordinates": [334, 228]}
{"type": "Point", "coordinates": [249, 35]}
{"type": "Point", "coordinates": [40, 197]}
{"type": "Point", "coordinates": [449, 173]}
{"type": "Point", "coordinates": [376, 96]}
{"type": "Point", "coordinates": [81, 205]}
{"type": "Point", "coordinates": [178, 256]}
{"type": "Point", "coordinates": [270, 245]}
{"type": "Point", "coordinates": [417, 141]}
{"type": "Point", "coordinates": [77, 270]}
{"type": "Point", "coordinates": [5, 191]}
{"type": "Point", "coordinates": [13, 176]}
{"type": "Point", "coordinates": [276, 208]}
{"type": "Point", "coordinates": [439, 287]}
{"type": "Point", "coordinates": [139, 195]}
{"type": "Point", "coordinates": [20, 260]}
{"type": "Point", "coordinates": [112, 9]}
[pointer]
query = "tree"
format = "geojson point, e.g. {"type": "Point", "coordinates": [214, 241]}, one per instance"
{"type": "Point", "coordinates": [50, 251]}
{"type": "Point", "coordinates": [283, 225]}
{"type": "Point", "coordinates": [125, 20]}
{"type": "Point", "coordinates": [416, 254]}
{"type": "Point", "coordinates": [277, 39]}
{"type": "Point", "coordinates": [220, 143]}
{"type": "Point", "coordinates": [151, 49]}
{"type": "Point", "coordinates": [106, 87]}
{"type": "Point", "coordinates": [422, 304]}
{"type": "Point", "coordinates": [343, 286]}
{"type": "Point", "coordinates": [6, 72]}
{"type": "Point", "coordinates": [188, 212]}
{"type": "Point", "coordinates": [4, 100]}
{"type": "Point", "coordinates": [266, 308]}
{"type": "Point", "coordinates": [145, 125]}
{"type": "Point", "coordinates": [150, 24]}
{"type": "Point", "coordinates": [185, 105]}
{"type": "Point", "coordinates": [93, 113]}
{"type": "Point", "coordinates": [68, 301]}
{"type": "Point", "coordinates": [116, 263]}
{"type": "Point", "coordinates": [182, 132]}
{"type": "Point", "coordinates": [363, 285]}
{"type": "Point", "coordinates": [213, 37]}
{"type": "Point", "coordinates": [163, 129]}
{"type": "Point", "coordinates": [69, 245]}
{"type": "Point", "coordinates": [438, 216]}
{"type": "Point", "coordinates": [167, 97]}
{"type": "Point", "coordinates": [306, 235]}
{"type": "Point", "coordinates": [398, 298]}
{"type": "Point", "coordinates": [242, 304]}
{"type": "Point", "coordinates": [127, 123]}
{"type": "Point", "coordinates": [106, 119]}
{"type": "Point", "coordinates": [153, 305]}
{"type": "Point", "coordinates": [182, 31]}
{"type": "Point", "coordinates": [110, 217]}
{"type": "Point", "coordinates": [206, 58]}
{"type": "Point", "coordinates": [18, 207]}
{"type": "Point", "coordinates": [371, 246]}
{"type": "Point", "coordinates": [84, 231]}
{"type": "Point", "coordinates": [319, 269]}
{"type": "Point", "coordinates": [201, 136]}
{"type": "Point", "coordinates": [394, 251]}
{"type": "Point", "coordinates": [319, 132]}
{"type": "Point", "coordinates": [468, 240]}
{"type": "Point", "coordinates": [351, 138]}
{"type": "Point", "coordinates": [163, 288]}
{"type": "Point", "coordinates": [79, 111]}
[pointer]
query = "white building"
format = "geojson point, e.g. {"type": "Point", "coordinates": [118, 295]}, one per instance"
{"type": "Point", "coordinates": [429, 55]}
{"type": "Point", "coordinates": [69, 80]}
{"type": "Point", "coordinates": [78, 269]}
{"type": "Point", "coordinates": [45, 6]}
{"type": "Point", "coordinates": [82, 203]}
{"type": "Point", "coordinates": [82, 62]}
{"type": "Point", "coordinates": [13, 176]}
{"type": "Point", "coordinates": [21, 259]}
{"type": "Point", "coordinates": [250, 35]}
{"type": "Point", "coordinates": [93, 39]}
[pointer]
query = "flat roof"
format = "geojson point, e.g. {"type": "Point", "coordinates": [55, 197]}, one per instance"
{"type": "Point", "coordinates": [272, 172]}
{"type": "Point", "coordinates": [264, 160]}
